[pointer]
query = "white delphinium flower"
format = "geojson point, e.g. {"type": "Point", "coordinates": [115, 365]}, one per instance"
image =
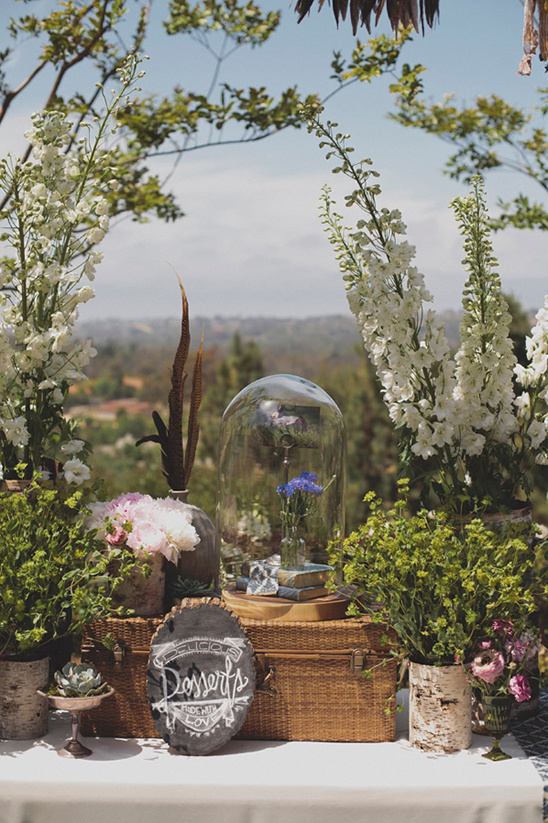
{"type": "Point", "coordinates": [485, 359]}
{"type": "Point", "coordinates": [476, 439]}
{"type": "Point", "coordinates": [56, 215]}
{"type": "Point", "coordinates": [16, 431]}
{"type": "Point", "coordinates": [532, 404]}
{"type": "Point", "coordinates": [75, 471]}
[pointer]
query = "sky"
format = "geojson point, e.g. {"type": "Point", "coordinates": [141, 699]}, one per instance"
{"type": "Point", "coordinates": [251, 242]}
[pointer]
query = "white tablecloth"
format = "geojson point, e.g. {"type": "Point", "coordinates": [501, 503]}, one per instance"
{"type": "Point", "coordinates": [143, 781]}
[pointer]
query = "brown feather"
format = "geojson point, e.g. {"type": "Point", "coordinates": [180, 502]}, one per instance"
{"type": "Point", "coordinates": [193, 430]}
{"type": "Point", "coordinates": [175, 454]}
{"type": "Point", "coordinates": [163, 440]}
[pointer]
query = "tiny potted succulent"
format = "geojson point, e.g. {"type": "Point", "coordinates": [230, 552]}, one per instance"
{"type": "Point", "coordinates": [78, 687]}
{"type": "Point", "coordinates": [78, 680]}
{"type": "Point", "coordinates": [441, 588]}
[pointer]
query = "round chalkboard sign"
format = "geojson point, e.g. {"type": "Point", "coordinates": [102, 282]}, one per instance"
{"type": "Point", "coordinates": [201, 676]}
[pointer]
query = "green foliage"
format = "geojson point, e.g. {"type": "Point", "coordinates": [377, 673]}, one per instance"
{"type": "Point", "coordinates": [491, 134]}
{"type": "Point", "coordinates": [439, 586]}
{"type": "Point", "coordinates": [91, 40]}
{"type": "Point", "coordinates": [53, 578]}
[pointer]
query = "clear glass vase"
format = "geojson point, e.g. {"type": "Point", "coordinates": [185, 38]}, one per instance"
{"type": "Point", "coordinates": [292, 550]}
{"type": "Point", "coordinates": [497, 710]}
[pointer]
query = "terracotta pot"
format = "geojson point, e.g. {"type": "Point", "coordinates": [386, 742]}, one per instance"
{"type": "Point", "coordinates": [439, 708]}
{"type": "Point", "coordinates": [145, 595]}
{"type": "Point", "coordinates": [23, 713]}
{"type": "Point", "coordinates": [14, 486]}
{"type": "Point", "coordinates": [202, 564]}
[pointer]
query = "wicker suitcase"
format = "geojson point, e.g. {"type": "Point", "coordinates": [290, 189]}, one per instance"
{"type": "Point", "coordinates": [332, 680]}
{"type": "Point", "coordinates": [310, 679]}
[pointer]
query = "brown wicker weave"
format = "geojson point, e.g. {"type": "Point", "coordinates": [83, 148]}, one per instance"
{"type": "Point", "coordinates": [310, 681]}
{"type": "Point", "coordinates": [124, 668]}
{"type": "Point", "coordinates": [315, 686]}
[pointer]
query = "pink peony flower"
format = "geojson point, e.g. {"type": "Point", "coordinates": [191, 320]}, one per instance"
{"type": "Point", "coordinates": [487, 665]}
{"type": "Point", "coordinates": [145, 524]}
{"type": "Point", "coordinates": [117, 537]}
{"type": "Point", "coordinates": [520, 687]}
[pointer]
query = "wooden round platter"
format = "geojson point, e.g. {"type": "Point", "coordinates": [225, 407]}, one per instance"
{"type": "Point", "coordinates": [259, 607]}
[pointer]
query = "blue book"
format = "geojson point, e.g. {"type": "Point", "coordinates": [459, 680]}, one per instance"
{"type": "Point", "coordinates": [313, 574]}
{"type": "Point", "coordinates": [286, 592]}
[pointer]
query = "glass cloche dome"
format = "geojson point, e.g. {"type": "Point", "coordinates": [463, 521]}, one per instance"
{"type": "Point", "coordinates": [281, 472]}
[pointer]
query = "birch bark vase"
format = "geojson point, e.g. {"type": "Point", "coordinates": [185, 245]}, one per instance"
{"type": "Point", "coordinates": [439, 708]}
{"type": "Point", "coordinates": [23, 713]}
{"type": "Point", "coordinates": [143, 594]}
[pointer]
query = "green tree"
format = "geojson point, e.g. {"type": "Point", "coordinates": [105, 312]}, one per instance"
{"type": "Point", "coordinates": [243, 365]}
{"type": "Point", "coordinates": [80, 39]}
{"type": "Point", "coordinates": [488, 135]}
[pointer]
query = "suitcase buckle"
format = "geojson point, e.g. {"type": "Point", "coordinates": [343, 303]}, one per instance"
{"type": "Point", "coordinates": [357, 659]}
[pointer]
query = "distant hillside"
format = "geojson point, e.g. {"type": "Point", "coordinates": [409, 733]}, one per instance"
{"type": "Point", "coordinates": [326, 336]}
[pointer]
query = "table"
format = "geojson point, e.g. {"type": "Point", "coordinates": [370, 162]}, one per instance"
{"type": "Point", "coordinates": [143, 781]}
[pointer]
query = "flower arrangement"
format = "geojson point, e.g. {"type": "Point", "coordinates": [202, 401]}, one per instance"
{"type": "Point", "coordinates": [145, 525]}
{"type": "Point", "coordinates": [503, 663]}
{"type": "Point", "coordinates": [299, 497]}
{"type": "Point", "coordinates": [53, 216]}
{"type": "Point", "coordinates": [440, 587]}
{"type": "Point", "coordinates": [472, 425]}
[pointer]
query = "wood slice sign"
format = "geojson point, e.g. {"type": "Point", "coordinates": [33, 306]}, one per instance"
{"type": "Point", "coordinates": [200, 677]}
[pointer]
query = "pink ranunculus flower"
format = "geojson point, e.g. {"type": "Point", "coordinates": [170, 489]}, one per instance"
{"type": "Point", "coordinates": [117, 537]}
{"type": "Point", "coordinates": [520, 687]}
{"type": "Point", "coordinates": [504, 627]}
{"type": "Point", "coordinates": [524, 646]}
{"type": "Point", "coordinates": [488, 665]}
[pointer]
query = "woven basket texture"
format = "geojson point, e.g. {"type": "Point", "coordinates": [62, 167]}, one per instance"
{"type": "Point", "coordinates": [306, 687]}
{"type": "Point", "coordinates": [313, 693]}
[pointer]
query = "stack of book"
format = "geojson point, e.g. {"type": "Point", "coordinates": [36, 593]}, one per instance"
{"type": "Point", "coordinates": [300, 585]}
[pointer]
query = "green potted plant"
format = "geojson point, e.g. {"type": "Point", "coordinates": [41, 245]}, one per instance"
{"type": "Point", "coordinates": [440, 587]}
{"type": "Point", "coordinates": [54, 578]}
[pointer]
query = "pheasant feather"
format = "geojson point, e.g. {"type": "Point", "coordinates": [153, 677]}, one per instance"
{"type": "Point", "coordinates": [177, 465]}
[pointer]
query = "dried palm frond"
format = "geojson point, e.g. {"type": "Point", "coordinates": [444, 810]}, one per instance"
{"type": "Point", "coordinates": [176, 464]}
{"type": "Point", "coordinates": [406, 12]}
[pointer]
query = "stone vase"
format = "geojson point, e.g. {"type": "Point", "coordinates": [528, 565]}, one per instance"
{"type": "Point", "coordinates": [439, 708]}
{"type": "Point", "coordinates": [23, 713]}
{"type": "Point", "coordinates": [202, 564]}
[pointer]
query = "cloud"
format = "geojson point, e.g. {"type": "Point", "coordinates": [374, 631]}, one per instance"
{"type": "Point", "coordinates": [251, 244]}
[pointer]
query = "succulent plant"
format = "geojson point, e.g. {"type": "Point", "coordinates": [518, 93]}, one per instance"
{"type": "Point", "coordinates": [187, 587]}
{"type": "Point", "coordinates": [79, 680]}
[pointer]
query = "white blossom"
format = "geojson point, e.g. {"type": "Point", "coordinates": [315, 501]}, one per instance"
{"type": "Point", "coordinates": [75, 471]}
